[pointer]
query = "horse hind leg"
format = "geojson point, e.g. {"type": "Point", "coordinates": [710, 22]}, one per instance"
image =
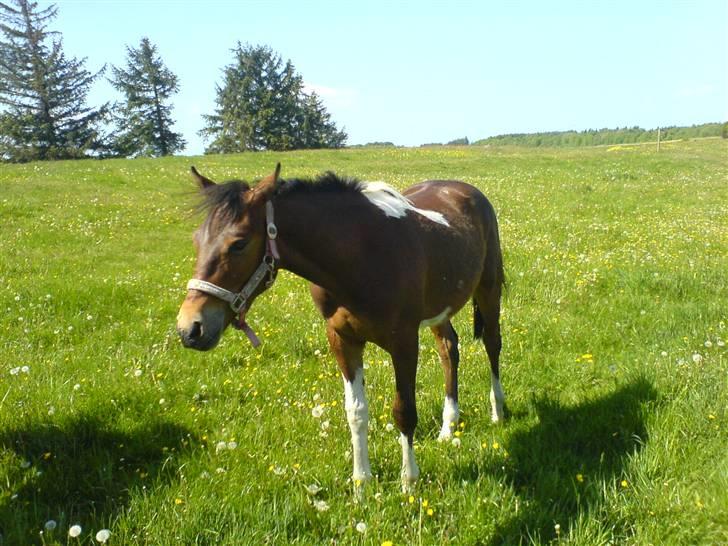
{"type": "Point", "coordinates": [446, 339]}
{"type": "Point", "coordinates": [486, 307]}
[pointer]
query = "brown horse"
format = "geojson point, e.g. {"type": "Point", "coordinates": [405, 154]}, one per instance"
{"type": "Point", "coordinates": [382, 265]}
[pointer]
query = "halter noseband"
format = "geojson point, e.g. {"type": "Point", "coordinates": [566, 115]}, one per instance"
{"type": "Point", "coordinates": [238, 300]}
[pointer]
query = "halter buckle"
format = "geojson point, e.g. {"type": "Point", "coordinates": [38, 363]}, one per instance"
{"type": "Point", "coordinates": [237, 303]}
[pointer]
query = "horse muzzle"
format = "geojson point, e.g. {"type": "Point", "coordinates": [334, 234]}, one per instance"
{"type": "Point", "coordinates": [201, 331]}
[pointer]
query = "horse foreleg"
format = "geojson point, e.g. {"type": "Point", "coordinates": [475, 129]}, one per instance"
{"type": "Point", "coordinates": [447, 346]}
{"type": "Point", "coordinates": [349, 358]}
{"type": "Point", "coordinates": [404, 408]}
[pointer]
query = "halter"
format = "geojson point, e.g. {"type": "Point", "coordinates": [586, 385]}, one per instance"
{"type": "Point", "coordinates": [266, 270]}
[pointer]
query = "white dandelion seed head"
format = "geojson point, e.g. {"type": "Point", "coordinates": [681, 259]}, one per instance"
{"type": "Point", "coordinates": [325, 424]}
{"type": "Point", "coordinates": [321, 505]}
{"type": "Point", "coordinates": [456, 442]}
{"type": "Point", "coordinates": [389, 427]}
{"type": "Point", "coordinates": [25, 464]}
{"type": "Point", "coordinates": [137, 373]}
{"type": "Point", "coordinates": [15, 371]}
{"type": "Point", "coordinates": [75, 531]}
{"type": "Point", "coordinates": [103, 535]}
{"type": "Point", "coordinates": [25, 369]}
{"type": "Point", "coordinates": [76, 386]}
{"type": "Point", "coordinates": [318, 411]}
{"type": "Point", "coordinates": [50, 525]}
{"type": "Point", "coordinates": [313, 489]}
{"type": "Point", "coordinates": [663, 354]}
{"type": "Point", "coordinates": [220, 446]}
{"type": "Point", "coordinates": [708, 344]}
{"type": "Point", "coordinates": [232, 445]}
{"type": "Point", "coordinates": [361, 527]}
{"type": "Point", "coordinates": [697, 358]}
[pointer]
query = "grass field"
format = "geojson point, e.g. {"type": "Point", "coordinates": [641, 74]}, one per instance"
{"type": "Point", "coordinates": [614, 364]}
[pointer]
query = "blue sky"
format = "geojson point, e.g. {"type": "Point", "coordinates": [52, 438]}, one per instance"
{"type": "Point", "coordinates": [433, 71]}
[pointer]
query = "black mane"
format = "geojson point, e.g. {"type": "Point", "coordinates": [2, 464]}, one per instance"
{"type": "Point", "coordinates": [225, 198]}
{"type": "Point", "coordinates": [327, 182]}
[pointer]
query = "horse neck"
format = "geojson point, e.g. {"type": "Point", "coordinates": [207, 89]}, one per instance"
{"type": "Point", "coordinates": [318, 236]}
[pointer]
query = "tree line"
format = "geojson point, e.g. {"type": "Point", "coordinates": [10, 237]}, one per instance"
{"type": "Point", "coordinates": [261, 103]}
{"type": "Point", "coordinates": [597, 137]}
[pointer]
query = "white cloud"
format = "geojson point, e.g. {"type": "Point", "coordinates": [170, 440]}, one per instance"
{"type": "Point", "coordinates": [338, 98]}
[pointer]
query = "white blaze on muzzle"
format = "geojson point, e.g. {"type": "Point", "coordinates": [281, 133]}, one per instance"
{"type": "Point", "coordinates": [238, 301]}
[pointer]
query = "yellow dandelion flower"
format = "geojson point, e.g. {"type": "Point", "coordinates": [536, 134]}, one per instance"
{"type": "Point", "coordinates": [387, 543]}
{"type": "Point", "coordinates": [411, 499]}
{"type": "Point", "coordinates": [425, 503]}
{"type": "Point", "coordinates": [178, 501]}
{"type": "Point", "coordinates": [579, 478]}
{"type": "Point", "coordinates": [624, 483]}
{"type": "Point", "coordinates": [430, 512]}
{"type": "Point", "coordinates": [496, 445]}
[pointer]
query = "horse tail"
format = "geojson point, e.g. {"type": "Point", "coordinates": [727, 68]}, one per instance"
{"type": "Point", "coordinates": [478, 322]}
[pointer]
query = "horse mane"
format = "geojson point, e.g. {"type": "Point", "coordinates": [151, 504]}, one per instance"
{"type": "Point", "coordinates": [225, 198]}
{"type": "Point", "coordinates": [328, 182]}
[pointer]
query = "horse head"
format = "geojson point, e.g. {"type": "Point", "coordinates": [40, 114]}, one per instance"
{"type": "Point", "coordinates": [235, 247]}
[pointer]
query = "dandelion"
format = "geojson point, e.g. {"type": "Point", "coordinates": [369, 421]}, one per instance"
{"type": "Point", "coordinates": [137, 373]}
{"type": "Point", "coordinates": [387, 543]}
{"type": "Point", "coordinates": [580, 478]}
{"type": "Point", "coordinates": [389, 427]}
{"type": "Point", "coordinates": [75, 531]}
{"type": "Point", "coordinates": [708, 344]}
{"type": "Point", "coordinates": [430, 512]}
{"type": "Point", "coordinates": [361, 527]}
{"type": "Point", "coordinates": [557, 528]}
{"type": "Point", "coordinates": [178, 501]}
{"type": "Point", "coordinates": [232, 445]}
{"type": "Point", "coordinates": [50, 525]}
{"type": "Point", "coordinates": [321, 505]}
{"type": "Point", "coordinates": [317, 411]}
{"type": "Point", "coordinates": [103, 535]}
{"type": "Point", "coordinates": [411, 499]}
{"type": "Point", "coordinates": [25, 464]}
{"type": "Point", "coordinates": [162, 401]}
{"type": "Point", "coordinates": [663, 354]}
{"type": "Point", "coordinates": [697, 358]}
{"type": "Point", "coordinates": [496, 445]}
{"type": "Point", "coordinates": [76, 386]}
{"type": "Point", "coordinates": [14, 371]}
{"type": "Point", "coordinates": [313, 489]}
{"type": "Point", "coordinates": [624, 483]}
{"type": "Point", "coordinates": [25, 369]}
{"type": "Point", "coordinates": [456, 442]}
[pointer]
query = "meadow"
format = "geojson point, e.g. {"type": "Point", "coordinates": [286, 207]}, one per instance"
{"type": "Point", "coordinates": [615, 369]}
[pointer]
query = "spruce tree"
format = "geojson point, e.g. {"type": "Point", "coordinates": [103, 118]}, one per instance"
{"type": "Point", "coordinates": [261, 105]}
{"type": "Point", "coordinates": [144, 120]}
{"type": "Point", "coordinates": [42, 92]}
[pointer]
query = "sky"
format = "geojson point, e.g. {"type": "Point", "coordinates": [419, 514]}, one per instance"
{"type": "Point", "coordinates": [415, 72]}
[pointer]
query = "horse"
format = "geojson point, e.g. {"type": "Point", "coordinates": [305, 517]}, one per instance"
{"type": "Point", "coordinates": [381, 264]}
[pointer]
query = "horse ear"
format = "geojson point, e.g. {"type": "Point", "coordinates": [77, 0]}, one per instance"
{"type": "Point", "coordinates": [268, 185]}
{"type": "Point", "coordinates": [201, 180]}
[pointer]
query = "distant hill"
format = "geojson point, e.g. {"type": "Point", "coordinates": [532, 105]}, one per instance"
{"type": "Point", "coordinates": [594, 137]}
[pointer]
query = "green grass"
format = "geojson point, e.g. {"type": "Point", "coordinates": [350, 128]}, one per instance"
{"type": "Point", "coordinates": [614, 364]}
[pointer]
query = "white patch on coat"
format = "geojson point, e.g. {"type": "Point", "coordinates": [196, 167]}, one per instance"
{"type": "Point", "coordinates": [450, 416]}
{"type": "Point", "coordinates": [434, 321]}
{"type": "Point", "coordinates": [394, 204]}
{"type": "Point", "coordinates": [496, 399]}
{"type": "Point", "coordinates": [357, 413]}
{"type": "Point", "coordinates": [410, 470]}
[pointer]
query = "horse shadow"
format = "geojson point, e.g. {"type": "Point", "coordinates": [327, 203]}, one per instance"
{"type": "Point", "coordinates": [560, 467]}
{"type": "Point", "coordinates": [82, 470]}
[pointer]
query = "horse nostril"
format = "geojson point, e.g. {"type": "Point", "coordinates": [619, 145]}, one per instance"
{"type": "Point", "coordinates": [195, 331]}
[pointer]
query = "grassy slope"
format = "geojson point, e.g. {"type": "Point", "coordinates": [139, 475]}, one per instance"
{"type": "Point", "coordinates": [616, 265]}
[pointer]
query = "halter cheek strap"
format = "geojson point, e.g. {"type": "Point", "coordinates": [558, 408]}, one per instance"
{"type": "Point", "coordinates": [238, 300]}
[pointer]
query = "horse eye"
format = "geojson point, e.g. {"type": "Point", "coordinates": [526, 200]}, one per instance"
{"type": "Point", "coordinates": [238, 246]}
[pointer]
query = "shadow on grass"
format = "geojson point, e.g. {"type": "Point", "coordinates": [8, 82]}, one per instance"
{"type": "Point", "coordinates": [593, 440]}
{"type": "Point", "coordinates": [83, 470]}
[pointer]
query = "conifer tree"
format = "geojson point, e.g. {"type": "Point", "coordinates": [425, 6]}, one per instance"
{"type": "Point", "coordinates": [144, 120]}
{"type": "Point", "coordinates": [42, 92]}
{"type": "Point", "coordinates": [261, 105]}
